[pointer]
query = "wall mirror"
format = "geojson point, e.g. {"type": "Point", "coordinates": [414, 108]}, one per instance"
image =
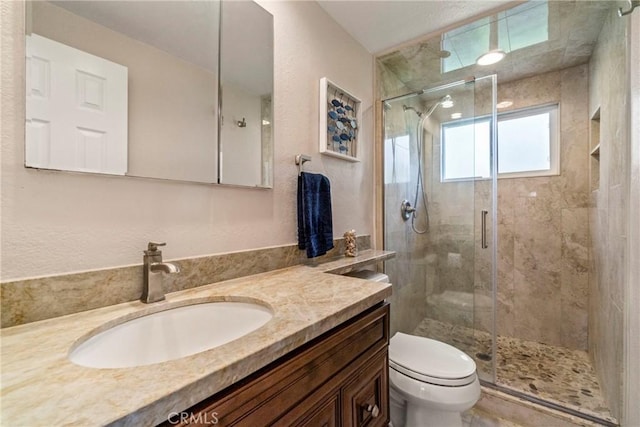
{"type": "Point", "coordinates": [246, 89]}
{"type": "Point", "coordinates": [131, 88]}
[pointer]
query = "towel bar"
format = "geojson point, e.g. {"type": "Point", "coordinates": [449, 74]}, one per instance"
{"type": "Point", "coordinates": [300, 159]}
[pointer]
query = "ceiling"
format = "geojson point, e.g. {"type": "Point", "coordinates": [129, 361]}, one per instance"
{"type": "Point", "coordinates": [189, 30]}
{"type": "Point", "coordinates": [380, 25]}
{"type": "Point", "coordinates": [539, 36]}
{"type": "Point", "coordinates": [159, 24]}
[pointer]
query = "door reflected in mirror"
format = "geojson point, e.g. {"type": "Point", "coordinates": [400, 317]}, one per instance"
{"type": "Point", "coordinates": [131, 88]}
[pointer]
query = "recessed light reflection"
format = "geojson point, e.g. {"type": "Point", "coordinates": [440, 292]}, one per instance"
{"type": "Point", "coordinates": [491, 57]}
{"type": "Point", "coordinates": [456, 115]}
{"type": "Point", "coordinates": [504, 104]}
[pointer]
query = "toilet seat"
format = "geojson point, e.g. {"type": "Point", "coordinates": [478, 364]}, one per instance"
{"type": "Point", "coordinates": [430, 361]}
{"type": "Point", "coordinates": [458, 382]}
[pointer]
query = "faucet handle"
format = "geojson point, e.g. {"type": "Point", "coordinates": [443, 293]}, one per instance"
{"type": "Point", "coordinates": [153, 246]}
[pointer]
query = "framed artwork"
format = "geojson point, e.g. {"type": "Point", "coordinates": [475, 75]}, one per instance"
{"type": "Point", "coordinates": [340, 119]}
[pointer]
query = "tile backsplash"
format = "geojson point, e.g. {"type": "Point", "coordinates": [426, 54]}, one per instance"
{"type": "Point", "coordinates": [30, 300]}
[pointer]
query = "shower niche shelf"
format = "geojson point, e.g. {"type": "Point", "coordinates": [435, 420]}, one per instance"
{"type": "Point", "coordinates": [340, 121]}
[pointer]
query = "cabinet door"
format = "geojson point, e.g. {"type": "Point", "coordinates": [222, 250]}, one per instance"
{"type": "Point", "coordinates": [365, 400]}
{"type": "Point", "coordinates": [325, 414]}
{"type": "Point", "coordinates": [307, 387]}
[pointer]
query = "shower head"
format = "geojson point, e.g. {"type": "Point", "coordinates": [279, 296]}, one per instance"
{"type": "Point", "coordinates": [405, 108]}
{"type": "Point", "coordinates": [446, 102]}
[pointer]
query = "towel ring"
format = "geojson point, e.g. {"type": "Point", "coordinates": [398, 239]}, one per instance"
{"type": "Point", "coordinates": [300, 160]}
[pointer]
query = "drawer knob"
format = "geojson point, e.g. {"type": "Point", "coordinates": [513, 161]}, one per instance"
{"type": "Point", "coordinates": [375, 411]}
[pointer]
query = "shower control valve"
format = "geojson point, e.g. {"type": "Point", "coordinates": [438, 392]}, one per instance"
{"type": "Point", "coordinates": [406, 209]}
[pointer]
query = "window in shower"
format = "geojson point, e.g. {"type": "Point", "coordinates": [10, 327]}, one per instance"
{"type": "Point", "coordinates": [528, 145]}
{"type": "Point", "coordinates": [528, 142]}
{"type": "Point", "coordinates": [398, 165]}
{"type": "Point", "coordinates": [466, 152]}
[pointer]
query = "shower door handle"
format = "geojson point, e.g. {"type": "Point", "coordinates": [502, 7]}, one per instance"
{"type": "Point", "coordinates": [483, 219]}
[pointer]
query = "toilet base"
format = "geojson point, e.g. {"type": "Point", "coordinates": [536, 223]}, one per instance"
{"type": "Point", "coordinates": [397, 409]}
{"type": "Point", "coordinates": [405, 414]}
{"type": "Point", "coordinates": [401, 418]}
{"type": "Point", "coordinates": [418, 417]}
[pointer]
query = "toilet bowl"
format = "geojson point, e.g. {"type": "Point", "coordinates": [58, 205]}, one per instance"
{"type": "Point", "coordinates": [431, 383]}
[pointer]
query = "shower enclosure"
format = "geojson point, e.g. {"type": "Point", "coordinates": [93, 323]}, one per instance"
{"type": "Point", "coordinates": [439, 196]}
{"type": "Point", "coordinates": [498, 198]}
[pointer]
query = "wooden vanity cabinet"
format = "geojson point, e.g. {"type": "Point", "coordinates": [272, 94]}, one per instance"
{"type": "Point", "coordinates": [338, 379]}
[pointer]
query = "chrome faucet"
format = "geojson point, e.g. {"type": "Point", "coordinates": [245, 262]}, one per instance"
{"type": "Point", "coordinates": [153, 268]}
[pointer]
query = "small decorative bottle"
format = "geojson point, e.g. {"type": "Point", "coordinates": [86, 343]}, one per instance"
{"type": "Point", "coordinates": [350, 247]}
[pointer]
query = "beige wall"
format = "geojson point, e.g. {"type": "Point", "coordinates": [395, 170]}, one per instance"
{"type": "Point", "coordinates": [58, 222]}
{"type": "Point", "coordinates": [172, 103]}
{"type": "Point", "coordinates": [610, 209]}
{"type": "Point", "coordinates": [631, 413]}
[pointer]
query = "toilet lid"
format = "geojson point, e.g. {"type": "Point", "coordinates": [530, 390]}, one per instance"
{"type": "Point", "coordinates": [429, 358]}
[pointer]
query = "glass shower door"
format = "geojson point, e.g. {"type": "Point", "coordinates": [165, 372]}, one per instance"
{"type": "Point", "coordinates": [438, 196]}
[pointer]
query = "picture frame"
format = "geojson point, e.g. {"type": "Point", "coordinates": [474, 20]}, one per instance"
{"type": "Point", "coordinates": [340, 120]}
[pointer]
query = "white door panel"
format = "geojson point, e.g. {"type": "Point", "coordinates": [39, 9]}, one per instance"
{"type": "Point", "coordinates": [76, 109]}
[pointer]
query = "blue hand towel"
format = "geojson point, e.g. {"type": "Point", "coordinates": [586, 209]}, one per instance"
{"type": "Point", "coordinates": [315, 226]}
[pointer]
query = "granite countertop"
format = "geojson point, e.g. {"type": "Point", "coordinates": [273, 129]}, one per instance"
{"type": "Point", "coordinates": [40, 386]}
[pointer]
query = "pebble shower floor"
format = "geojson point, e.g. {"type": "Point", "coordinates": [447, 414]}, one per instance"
{"type": "Point", "coordinates": [555, 374]}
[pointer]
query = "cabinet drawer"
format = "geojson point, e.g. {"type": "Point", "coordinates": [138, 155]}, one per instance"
{"type": "Point", "coordinates": [365, 400]}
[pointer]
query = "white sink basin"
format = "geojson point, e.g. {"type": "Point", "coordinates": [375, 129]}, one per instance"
{"type": "Point", "coordinates": [170, 334]}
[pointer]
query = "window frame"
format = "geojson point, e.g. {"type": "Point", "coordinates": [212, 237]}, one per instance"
{"type": "Point", "coordinates": [554, 141]}
{"type": "Point", "coordinates": [457, 123]}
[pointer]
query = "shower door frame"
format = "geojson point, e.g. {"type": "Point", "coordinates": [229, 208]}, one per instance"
{"type": "Point", "coordinates": [494, 191]}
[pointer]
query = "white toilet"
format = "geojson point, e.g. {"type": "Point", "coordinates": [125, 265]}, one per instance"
{"type": "Point", "coordinates": [431, 383]}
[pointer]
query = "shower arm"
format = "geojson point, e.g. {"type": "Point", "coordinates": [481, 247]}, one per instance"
{"type": "Point", "coordinates": [424, 116]}
{"type": "Point", "coordinates": [432, 109]}
{"type": "Point", "coordinates": [632, 5]}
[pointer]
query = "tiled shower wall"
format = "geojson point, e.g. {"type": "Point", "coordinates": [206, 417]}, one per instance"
{"type": "Point", "coordinates": [407, 271]}
{"type": "Point", "coordinates": [609, 208]}
{"type": "Point", "coordinates": [542, 227]}
{"type": "Point", "coordinates": [543, 267]}
{"type": "Point", "coordinates": [542, 292]}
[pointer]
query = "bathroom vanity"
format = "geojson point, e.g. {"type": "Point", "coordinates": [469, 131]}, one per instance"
{"type": "Point", "coordinates": [321, 359]}
{"type": "Point", "coordinates": [338, 379]}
